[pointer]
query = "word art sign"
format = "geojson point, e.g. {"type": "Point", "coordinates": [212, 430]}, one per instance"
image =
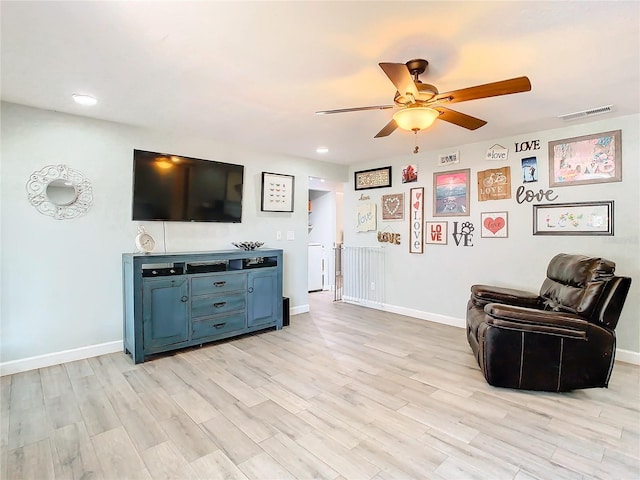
{"type": "Point", "coordinates": [389, 237]}
{"type": "Point", "coordinates": [525, 195]}
{"type": "Point", "coordinates": [494, 225]}
{"type": "Point", "coordinates": [463, 234]}
{"type": "Point", "coordinates": [526, 146]}
{"type": "Point", "coordinates": [436, 233]}
{"type": "Point", "coordinates": [415, 227]}
{"type": "Point", "coordinates": [366, 217]}
{"type": "Point", "coordinates": [497, 152]}
{"type": "Point", "coordinates": [494, 184]}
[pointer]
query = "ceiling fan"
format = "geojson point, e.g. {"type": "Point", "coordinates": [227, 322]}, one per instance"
{"type": "Point", "coordinates": [420, 104]}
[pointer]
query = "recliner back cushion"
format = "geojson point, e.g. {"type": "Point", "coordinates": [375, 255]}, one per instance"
{"type": "Point", "coordinates": [575, 283]}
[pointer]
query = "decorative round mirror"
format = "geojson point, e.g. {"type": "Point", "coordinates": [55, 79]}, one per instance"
{"type": "Point", "coordinates": [60, 192]}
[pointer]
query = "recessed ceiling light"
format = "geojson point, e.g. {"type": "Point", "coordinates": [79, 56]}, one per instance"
{"type": "Point", "coordinates": [84, 99]}
{"type": "Point", "coordinates": [322, 150]}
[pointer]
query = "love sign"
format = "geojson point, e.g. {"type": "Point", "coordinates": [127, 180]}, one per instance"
{"type": "Point", "coordinates": [494, 224]}
{"type": "Point", "coordinates": [416, 232]}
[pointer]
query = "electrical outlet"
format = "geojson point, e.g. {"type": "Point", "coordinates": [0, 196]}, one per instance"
{"type": "Point", "coordinates": [278, 235]}
{"type": "Point", "coordinates": [290, 235]}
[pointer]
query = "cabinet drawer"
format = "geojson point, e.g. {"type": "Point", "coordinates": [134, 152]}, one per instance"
{"type": "Point", "coordinates": [204, 306]}
{"type": "Point", "coordinates": [209, 327]}
{"type": "Point", "coordinates": [217, 284]}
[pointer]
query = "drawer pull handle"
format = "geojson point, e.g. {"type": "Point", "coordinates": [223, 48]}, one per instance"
{"type": "Point", "coordinates": [219, 284]}
{"type": "Point", "coordinates": [219, 304]}
{"type": "Point", "coordinates": [220, 325]}
{"type": "Point", "coordinates": [184, 299]}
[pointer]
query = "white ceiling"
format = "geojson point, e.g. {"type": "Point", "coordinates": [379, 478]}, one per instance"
{"type": "Point", "coordinates": [255, 72]}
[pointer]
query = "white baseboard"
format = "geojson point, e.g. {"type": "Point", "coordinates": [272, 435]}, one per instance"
{"type": "Point", "coordinates": [299, 309]}
{"type": "Point", "coordinates": [626, 356]}
{"type": "Point", "coordinates": [56, 358]}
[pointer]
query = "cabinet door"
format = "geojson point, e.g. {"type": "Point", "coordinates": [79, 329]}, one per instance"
{"type": "Point", "coordinates": [262, 297]}
{"type": "Point", "coordinates": [165, 314]}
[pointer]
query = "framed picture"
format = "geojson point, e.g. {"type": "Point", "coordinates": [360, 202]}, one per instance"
{"type": "Point", "coordinates": [393, 206]}
{"type": "Point", "coordinates": [583, 218]}
{"type": "Point", "coordinates": [494, 184]}
{"type": "Point", "coordinates": [365, 217]}
{"type": "Point", "coordinates": [587, 159]}
{"type": "Point", "coordinates": [410, 174]}
{"type": "Point", "coordinates": [373, 178]}
{"type": "Point", "coordinates": [277, 192]}
{"type": "Point", "coordinates": [436, 233]}
{"type": "Point", "coordinates": [416, 231]}
{"type": "Point", "coordinates": [494, 224]}
{"type": "Point", "coordinates": [451, 193]}
{"type": "Point", "coordinates": [448, 159]}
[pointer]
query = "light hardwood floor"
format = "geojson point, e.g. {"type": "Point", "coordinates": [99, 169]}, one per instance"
{"type": "Point", "coordinates": [345, 392]}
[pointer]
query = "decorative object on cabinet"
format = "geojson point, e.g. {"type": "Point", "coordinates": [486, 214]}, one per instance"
{"type": "Point", "coordinates": [416, 231]}
{"type": "Point", "coordinates": [173, 301]}
{"type": "Point", "coordinates": [60, 192]}
{"type": "Point", "coordinates": [560, 338]}
{"type": "Point", "coordinates": [372, 178]}
{"type": "Point", "coordinates": [451, 193]}
{"type": "Point", "coordinates": [393, 206]}
{"type": "Point", "coordinates": [247, 245]}
{"type": "Point", "coordinates": [579, 218]}
{"type": "Point", "coordinates": [144, 242]}
{"type": "Point", "coordinates": [587, 159]}
{"type": "Point", "coordinates": [494, 225]}
{"type": "Point", "coordinates": [494, 184]}
{"type": "Point", "coordinates": [277, 192]}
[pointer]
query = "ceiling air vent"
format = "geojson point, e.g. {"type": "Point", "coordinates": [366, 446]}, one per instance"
{"type": "Point", "coordinates": [587, 113]}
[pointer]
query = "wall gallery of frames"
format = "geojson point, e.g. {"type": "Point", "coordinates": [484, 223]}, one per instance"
{"type": "Point", "coordinates": [438, 208]}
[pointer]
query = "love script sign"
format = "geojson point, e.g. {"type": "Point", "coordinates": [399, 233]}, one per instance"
{"type": "Point", "coordinates": [416, 232]}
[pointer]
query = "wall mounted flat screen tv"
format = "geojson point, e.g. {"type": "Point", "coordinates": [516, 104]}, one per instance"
{"type": "Point", "coordinates": [183, 189]}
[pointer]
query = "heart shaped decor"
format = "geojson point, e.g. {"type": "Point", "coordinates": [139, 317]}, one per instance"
{"type": "Point", "coordinates": [494, 225]}
{"type": "Point", "coordinates": [391, 205]}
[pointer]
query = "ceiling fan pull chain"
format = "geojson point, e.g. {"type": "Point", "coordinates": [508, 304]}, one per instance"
{"type": "Point", "coordinates": [416, 149]}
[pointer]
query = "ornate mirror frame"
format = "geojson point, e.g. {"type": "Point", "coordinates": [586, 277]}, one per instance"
{"type": "Point", "coordinates": [41, 186]}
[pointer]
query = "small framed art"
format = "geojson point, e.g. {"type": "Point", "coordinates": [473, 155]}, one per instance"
{"type": "Point", "coordinates": [451, 193]}
{"type": "Point", "coordinates": [494, 224]}
{"type": "Point", "coordinates": [277, 192]}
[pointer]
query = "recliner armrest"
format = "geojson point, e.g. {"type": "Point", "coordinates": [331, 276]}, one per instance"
{"type": "Point", "coordinates": [534, 320]}
{"type": "Point", "coordinates": [483, 294]}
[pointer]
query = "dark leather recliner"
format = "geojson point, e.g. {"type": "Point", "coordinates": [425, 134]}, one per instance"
{"type": "Point", "coordinates": [560, 339]}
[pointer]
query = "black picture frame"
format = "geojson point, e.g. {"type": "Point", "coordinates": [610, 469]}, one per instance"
{"type": "Point", "coordinates": [372, 178]}
{"type": "Point", "coordinates": [277, 192]}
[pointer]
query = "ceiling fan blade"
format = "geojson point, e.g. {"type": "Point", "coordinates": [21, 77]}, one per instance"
{"type": "Point", "coordinates": [355, 109]}
{"type": "Point", "coordinates": [460, 119]}
{"type": "Point", "coordinates": [388, 129]}
{"type": "Point", "coordinates": [400, 77]}
{"type": "Point", "coordinates": [504, 87]}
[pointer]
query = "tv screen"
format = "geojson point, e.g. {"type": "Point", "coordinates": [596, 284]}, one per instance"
{"type": "Point", "coordinates": [183, 189]}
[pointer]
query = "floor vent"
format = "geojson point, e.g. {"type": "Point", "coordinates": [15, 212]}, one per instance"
{"type": "Point", "coordinates": [587, 113]}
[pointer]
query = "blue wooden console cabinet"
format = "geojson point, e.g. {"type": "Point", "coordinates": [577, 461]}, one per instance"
{"type": "Point", "coordinates": [177, 300]}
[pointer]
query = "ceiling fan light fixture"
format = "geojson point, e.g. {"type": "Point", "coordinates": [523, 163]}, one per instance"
{"type": "Point", "coordinates": [415, 118]}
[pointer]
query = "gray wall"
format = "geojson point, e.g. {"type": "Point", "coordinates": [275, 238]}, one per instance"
{"type": "Point", "coordinates": [436, 284]}
{"type": "Point", "coordinates": [61, 279]}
